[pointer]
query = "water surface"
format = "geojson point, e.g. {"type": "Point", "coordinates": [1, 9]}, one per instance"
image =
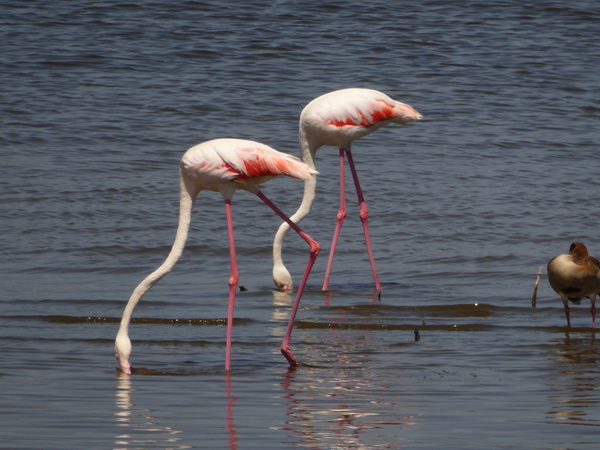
{"type": "Point", "coordinates": [100, 101]}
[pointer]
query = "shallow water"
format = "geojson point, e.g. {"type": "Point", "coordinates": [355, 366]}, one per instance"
{"type": "Point", "coordinates": [99, 103]}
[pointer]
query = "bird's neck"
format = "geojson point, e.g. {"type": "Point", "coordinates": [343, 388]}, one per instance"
{"type": "Point", "coordinates": [308, 148]}
{"type": "Point", "coordinates": [187, 196]}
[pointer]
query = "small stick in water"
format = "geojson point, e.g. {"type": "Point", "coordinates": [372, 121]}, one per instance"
{"type": "Point", "coordinates": [537, 283]}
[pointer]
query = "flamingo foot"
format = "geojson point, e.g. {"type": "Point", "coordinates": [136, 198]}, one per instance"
{"type": "Point", "coordinates": [287, 352]}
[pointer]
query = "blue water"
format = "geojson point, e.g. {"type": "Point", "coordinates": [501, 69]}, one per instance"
{"type": "Point", "coordinates": [101, 99]}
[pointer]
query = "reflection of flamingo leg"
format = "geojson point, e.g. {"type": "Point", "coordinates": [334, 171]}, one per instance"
{"type": "Point", "coordinates": [314, 252]}
{"type": "Point", "coordinates": [233, 282]}
{"type": "Point", "coordinates": [364, 217]}
{"type": "Point", "coordinates": [341, 215]}
{"type": "Point", "coordinates": [232, 444]}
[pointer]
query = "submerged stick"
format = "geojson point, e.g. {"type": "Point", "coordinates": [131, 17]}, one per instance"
{"type": "Point", "coordinates": [537, 283]}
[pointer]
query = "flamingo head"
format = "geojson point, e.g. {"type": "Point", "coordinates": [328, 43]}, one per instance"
{"type": "Point", "coordinates": [282, 278]}
{"type": "Point", "coordinates": [123, 352]}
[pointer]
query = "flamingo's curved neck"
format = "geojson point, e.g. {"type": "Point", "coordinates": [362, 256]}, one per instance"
{"type": "Point", "coordinates": [187, 197]}
{"type": "Point", "coordinates": [308, 156]}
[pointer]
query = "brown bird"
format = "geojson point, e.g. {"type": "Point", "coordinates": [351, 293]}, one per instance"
{"type": "Point", "coordinates": [575, 275]}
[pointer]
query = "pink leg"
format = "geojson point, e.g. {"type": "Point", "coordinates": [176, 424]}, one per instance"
{"type": "Point", "coordinates": [567, 314]}
{"type": "Point", "coordinates": [314, 252]}
{"type": "Point", "coordinates": [341, 215]}
{"type": "Point", "coordinates": [364, 217]}
{"type": "Point", "coordinates": [233, 282]}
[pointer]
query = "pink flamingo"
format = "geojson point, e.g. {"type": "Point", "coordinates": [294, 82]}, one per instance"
{"type": "Point", "coordinates": [223, 165]}
{"type": "Point", "coordinates": [575, 275]}
{"type": "Point", "coordinates": [339, 118]}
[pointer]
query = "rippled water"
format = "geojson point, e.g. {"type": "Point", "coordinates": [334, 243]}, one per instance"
{"type": "Point", "coordinates": [100, 100]}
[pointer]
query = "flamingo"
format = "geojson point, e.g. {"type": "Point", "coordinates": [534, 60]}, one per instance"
{"type": "Point", "coordinates": [339, 118]}
{"type": "Point", "coordinates": [223, 165]}
{"type": "Point", "coordinates": [575, 275]}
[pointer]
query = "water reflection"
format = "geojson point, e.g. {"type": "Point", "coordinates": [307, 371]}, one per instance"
{"type": "Point", "coordinates": [576, 396]}
{"type": "Point", "coordinates": [339, 403]}
{"type": "Point", "coordinates": [282, 302]}
{"type": "Point", "coordinates": [231, 433]}
{"type": "Point", "coordinates": [339, 400]}
{"type": "Point", "coordinates": [280, 314]}
{"type": "Point", "coordinates": [139, 427]}
{"type": "Point", "coordinates": [325, 411]}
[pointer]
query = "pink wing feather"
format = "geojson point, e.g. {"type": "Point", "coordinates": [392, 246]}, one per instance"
{"type": "Point", "coordinates": [368, 113]}
{"type": "Point", "coordinates": [255, 162]}
{"type": "Point", "coordinates": [240, 160]}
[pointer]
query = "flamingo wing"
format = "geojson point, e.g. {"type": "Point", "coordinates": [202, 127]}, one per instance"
{"type": "Point", "coordinates": [365, 108]}
{"type": "Point", "coordinates": [256, 161]}
{"type": "Point", "coordinates": [240, 160]}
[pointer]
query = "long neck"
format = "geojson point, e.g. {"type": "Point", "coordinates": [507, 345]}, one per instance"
{"type": "Point", "coordinates": [310, 186]}
{"type": "Point", "coordinates": [187, 197]}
